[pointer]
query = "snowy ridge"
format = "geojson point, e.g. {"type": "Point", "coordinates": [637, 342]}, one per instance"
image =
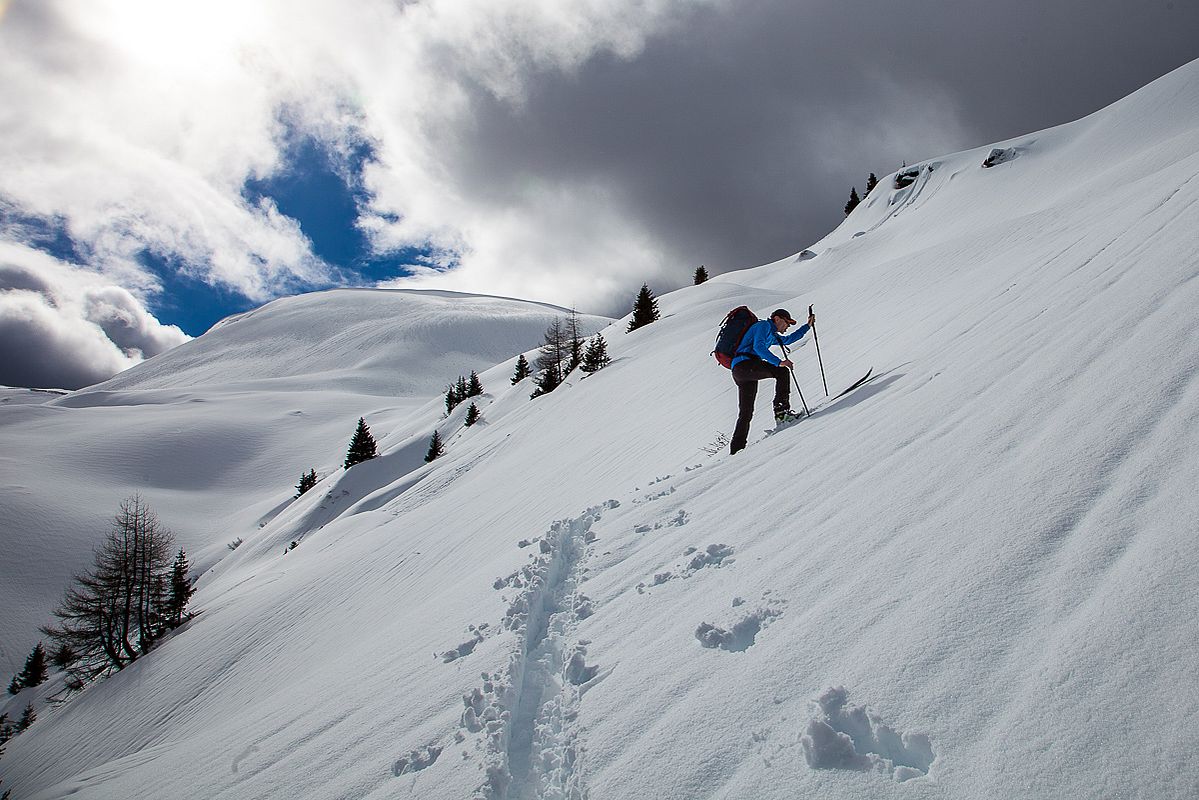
{"type": "Point", "coordinates": [238, 414]}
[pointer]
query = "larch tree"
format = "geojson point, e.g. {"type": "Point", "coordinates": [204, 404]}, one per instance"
{"type": "Point", "coordinates": [113, 612]}
{"type": "Point", "coordinates": [554, 351]}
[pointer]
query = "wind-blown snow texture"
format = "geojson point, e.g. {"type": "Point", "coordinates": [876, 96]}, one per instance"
{"type": "Point", "coordinates": [973, 577]}
{"type": "Point", "coordinates": [217, 432]}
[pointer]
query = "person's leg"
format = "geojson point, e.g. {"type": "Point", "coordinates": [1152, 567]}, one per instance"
{"type": "Point", "coordinates": [782, 388]}
{"type": "Point", "coordinates": [747, 393]}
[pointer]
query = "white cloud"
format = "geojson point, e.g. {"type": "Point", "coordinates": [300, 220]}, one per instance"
{"type": "Point", "coordinates": [135, 124]}
{"type": "Point", "coordinates": [66, 327]}
{"type": "Point", "coordinates": [562, 151]}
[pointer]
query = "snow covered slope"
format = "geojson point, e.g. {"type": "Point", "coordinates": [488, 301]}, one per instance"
{"type": "Point", "coordinates": [973, 577]}
{"type": "Point", "coordinates": [390, 342]}
{"type": "Point", "coordinates": [215, 433]}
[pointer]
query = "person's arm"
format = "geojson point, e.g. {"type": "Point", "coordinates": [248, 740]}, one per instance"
{"type": "Point", "coordinates": [795, 337]}
{"type": "Point", "coordinates": [762, 336]}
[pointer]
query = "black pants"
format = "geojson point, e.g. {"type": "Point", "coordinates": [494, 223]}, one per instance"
{"type": "Point", "coordinates": [746, 375]}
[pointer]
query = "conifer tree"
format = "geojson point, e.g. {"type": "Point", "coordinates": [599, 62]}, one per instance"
{"type": "Point", "coordinates": [553, 353]}
{"type": "Point", "coordinates": [596, 357]}
{"type": "Point", "coordinates": [645, 309]}
{"type": "Point", "coordinates": [523, 370]}
{"type": "Point", "coordinates": [111, 615]}
{"type": "Point", "coordinates": [546, 381]}
{"type": "Point", "coordinates": [871, 182]}
{"type": "Point", "coordinates": [181, 591]}
{"type": "Point", "coordinates": [63, 656]}
{"type": "Point", "coordinates": [436, 447]}
{"type": "Point", "coordinates": [474, 386]}
{"type": "Point", "coordinates": [307, 481]}
{"type": "Point", "coordinates": [461, 389]}
{"type": "Point", "coordinates": [28, 718]}
{"type": "Point", "coordinates": [853, 200]}
{"type": "Point", "coordinates": [362, 446]}
{"type": "Point", "coordinates": [15, 686]}
{"type": "Point", "coordinates": [472, 415]}
{"type": "Point", "coordinates": [574, 343]}
{"type": "Point", "coordinates": [701, 275]}
{"type": "Point", "coordinates": [35, 672]}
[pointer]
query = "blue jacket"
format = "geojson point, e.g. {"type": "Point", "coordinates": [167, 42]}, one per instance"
{"type": "Point", "coordinates": [760, 337]}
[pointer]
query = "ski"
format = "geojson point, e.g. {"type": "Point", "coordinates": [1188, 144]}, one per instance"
{"type": "Point", "coordinates": [782, 426]}
{"type": "Point", "coordinates": [862, 381]}
{"type": "Point", "coordinates": [865, 378]}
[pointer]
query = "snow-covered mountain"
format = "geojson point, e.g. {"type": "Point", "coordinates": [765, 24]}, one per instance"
{"type": "Point", "coordinates": [216, 433]}
{"type": "Point", "coordinates": [972, 577]}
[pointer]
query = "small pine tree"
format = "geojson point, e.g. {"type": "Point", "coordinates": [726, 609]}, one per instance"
{"type": "Point", "coordinates": [546, 381]}
{"type": "Point", "coordinates": [307, 481]}
{"type": "Point", "coordinates": [63, 656]}
{"type": "Point", "coordinates": [645, 309]}
{"type": "Point", "coordinates": [474, 386]}
{"type": "Point", "coordinates": [871, 182]}
{"type": "Point", "coordinates": [362, 446]}
{"type": "Point", "coordinates": [436, 447]}
{"type": "Point", "coordinates": [596, 357]}
{"type": "Point", "coordinates": [15, 687]}
{"type": "Point", "coordinates": [523, 370]}
{"type": "Point", "coordinates": [853, 200]}
{"type": "Point", "coordinates": [701, 275]}
{"type": "Point", "coordinates": [451, 398]}
{"type": "Point", "coordinates": [181, 591]}
{"type": "Point", "coordinates": [472, 415]}
{"type": "Point", "coordinates": [461, 389]}
{"type": "Point", "coordinates": [27, 718]}
{"type": "Point", "coordinates": [35, 672]}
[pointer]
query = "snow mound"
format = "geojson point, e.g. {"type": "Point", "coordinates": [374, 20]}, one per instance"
{"type": "Point", "coordinates": [393, 342]}
{"type": "Point", "coordinates": [844, 736]}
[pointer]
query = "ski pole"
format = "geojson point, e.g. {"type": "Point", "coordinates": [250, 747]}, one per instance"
{"type": "Point", "coordinates": [816, 339]}
{"type": "Point", "coordinates": [787, 355]}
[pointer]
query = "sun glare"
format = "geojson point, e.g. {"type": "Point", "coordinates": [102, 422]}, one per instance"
{"type": "Point", "coordinates": [184, 37]}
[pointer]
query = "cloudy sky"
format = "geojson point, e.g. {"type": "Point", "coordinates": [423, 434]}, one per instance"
{"type": "Point", "coordinates": [167, 163]}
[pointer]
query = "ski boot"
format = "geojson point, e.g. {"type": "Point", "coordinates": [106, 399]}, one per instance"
{"type": "Point", "coordinates": [784, 416]}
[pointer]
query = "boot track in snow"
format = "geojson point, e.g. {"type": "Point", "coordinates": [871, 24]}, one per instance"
{"type": "Point", "coordinates": [527, 712]}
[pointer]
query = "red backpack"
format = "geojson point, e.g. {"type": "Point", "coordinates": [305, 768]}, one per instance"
{"type": "Point", "coordinates": [732, 331]}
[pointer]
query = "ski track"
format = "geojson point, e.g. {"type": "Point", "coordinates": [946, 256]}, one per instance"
{"type": "Point", "coordinates": [527, 712]}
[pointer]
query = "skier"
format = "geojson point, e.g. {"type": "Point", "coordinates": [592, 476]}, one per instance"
{"type": "Point", "coordinates": [754, 362]}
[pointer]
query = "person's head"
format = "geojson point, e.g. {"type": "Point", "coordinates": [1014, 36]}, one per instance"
{"type": "Point", "coordinates": [782, 320]}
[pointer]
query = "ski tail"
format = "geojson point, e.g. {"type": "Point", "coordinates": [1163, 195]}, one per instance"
{"type": "Point", "coordinates": [857, 383]}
